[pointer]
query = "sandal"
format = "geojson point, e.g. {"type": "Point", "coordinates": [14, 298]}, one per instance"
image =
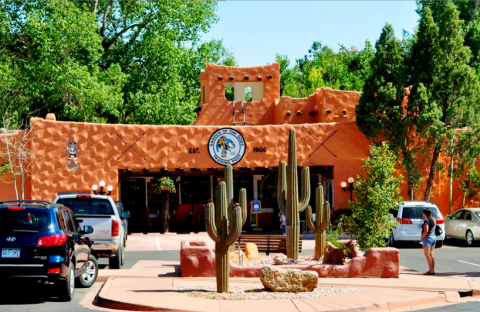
{"type": "Point", "coordinates": [428, 273]}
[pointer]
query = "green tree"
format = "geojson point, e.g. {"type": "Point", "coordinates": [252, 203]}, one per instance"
{"type": "Point", "coordinates": [445, 88]}
{"type": "Point", "coordinates": [470, 186]}
{"type": "Point", "coordinates": [104, 60]}
{"type": "Point", "coordinates": [380, 113]}
{"type": "Point", "coordinates": [376, 195]}
{"type": "Point", "coordinates": [346, 69]}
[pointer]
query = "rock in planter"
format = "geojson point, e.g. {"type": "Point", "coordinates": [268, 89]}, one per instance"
{"type": "Point", "coordinates": [355, 250]}
{"type": "Point", "coordinates": [251, 251]}
{"type": "Point", "coordinates": [237, 256]}
{"type": "Point", "coordinates": [333, 255]}
{"type": "Point", "coordinates": [281, 261]}
{"type": "Point", "coordinates": [288, 280]}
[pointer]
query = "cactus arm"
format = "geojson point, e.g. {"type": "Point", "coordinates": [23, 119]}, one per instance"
{"type": "Point", "coordinates": [236, 228]}
{"type": "Point", "coordinates": [282, 187]}
{"type": "Point", "coordinates": [325, 217]}
{"type": "Point", "coordinates": [309, 219]}
{"type": "Point", "coordinates": [243, 204]}
{"type": "Point", "coordinates": [210, 223]}
{"type": "Point", "coordinates": [305, 189]}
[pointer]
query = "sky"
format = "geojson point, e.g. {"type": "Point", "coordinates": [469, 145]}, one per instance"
{"type": "Point", "coordinates": [255, 31]}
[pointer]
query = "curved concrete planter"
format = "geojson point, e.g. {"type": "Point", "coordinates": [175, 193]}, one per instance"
{"type": "Point", "coordinates": [197, 259]}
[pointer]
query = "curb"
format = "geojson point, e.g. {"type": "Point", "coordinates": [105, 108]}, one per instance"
{"type": "Point", "coordinates": [102, 300]}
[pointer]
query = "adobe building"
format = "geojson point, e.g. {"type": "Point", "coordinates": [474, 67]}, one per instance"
{"type": "Point", "coordinates": [242, 121]}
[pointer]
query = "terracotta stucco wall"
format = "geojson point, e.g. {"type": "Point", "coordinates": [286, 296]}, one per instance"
{"type": "Point", "coordinates": [104, 149]}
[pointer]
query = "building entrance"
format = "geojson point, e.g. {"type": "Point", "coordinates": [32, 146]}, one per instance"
{"type": "Point", "coordinates": [133, 199]}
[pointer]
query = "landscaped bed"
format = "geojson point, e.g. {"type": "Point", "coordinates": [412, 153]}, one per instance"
{"type": "Point", "coordinates": [197, 259]}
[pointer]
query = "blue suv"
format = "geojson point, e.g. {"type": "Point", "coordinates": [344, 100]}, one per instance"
{"type": "Point", "coordinates": [43, 242]}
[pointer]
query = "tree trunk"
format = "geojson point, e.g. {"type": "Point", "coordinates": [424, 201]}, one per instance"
{"type": "Point", "coordinates": [432, 173]}
{"type": "Point", "coordinates": [165, 210]}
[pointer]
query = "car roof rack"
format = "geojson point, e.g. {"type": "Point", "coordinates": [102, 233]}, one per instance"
{"type": "Point", "coordinates": [26, 201]}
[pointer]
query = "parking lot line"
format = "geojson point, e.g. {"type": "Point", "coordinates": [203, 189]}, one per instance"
{"type": "Point", "coordinates": [468, 262]}
{"type": "Point", "coordinates": [158, 243]}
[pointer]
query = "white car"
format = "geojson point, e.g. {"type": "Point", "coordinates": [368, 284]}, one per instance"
{"type": "Point", "coordinates": [464, 224]}
{"type": "Point", "coordinates": [410, 217]}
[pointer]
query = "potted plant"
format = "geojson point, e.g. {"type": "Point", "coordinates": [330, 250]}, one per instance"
{"type": "Point", "coordinates": [165, 184]}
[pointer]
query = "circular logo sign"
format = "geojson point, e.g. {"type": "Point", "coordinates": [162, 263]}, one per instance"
{"type": "Point", "coordinates": [226, 146]}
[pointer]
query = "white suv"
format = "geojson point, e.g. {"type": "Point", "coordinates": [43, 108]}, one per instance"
{"type": "Point", "coordinates": [410, 217]}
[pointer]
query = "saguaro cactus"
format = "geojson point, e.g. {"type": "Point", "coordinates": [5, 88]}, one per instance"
{"type": "Point", "coordinates": [320, 224]}
{"type": "Point", "coordinates": [287, 195]}
{"type": "Point", "coordinates": [242, 194]}
{"type": "Point", "coordinates": [224, 225]}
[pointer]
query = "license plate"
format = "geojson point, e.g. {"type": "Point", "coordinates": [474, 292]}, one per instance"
{"type": "Point", "coordinates": [10, 253]}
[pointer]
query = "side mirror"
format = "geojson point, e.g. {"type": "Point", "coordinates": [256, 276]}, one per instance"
{"type": "Point", "coordinates": [125, 214]}
{"type": "Point", "coordinates": [87, 229]}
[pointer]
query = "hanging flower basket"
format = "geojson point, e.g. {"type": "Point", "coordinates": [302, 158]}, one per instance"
{"type": "Point", "coordinates": [165, 184]}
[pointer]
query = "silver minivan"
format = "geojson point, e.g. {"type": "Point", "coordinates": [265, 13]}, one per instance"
{"type": "Point", "coordinates": [410, 219]}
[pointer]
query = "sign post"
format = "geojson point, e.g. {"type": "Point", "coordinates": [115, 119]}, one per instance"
{"type": "Point", "coordinates": [256, 209]}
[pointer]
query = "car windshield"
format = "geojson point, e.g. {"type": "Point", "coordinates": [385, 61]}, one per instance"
{"type": "Point", "coordinates": [24, 221]}
{"type": "Point", "coordinates": [417, 213]}
{"type": "Point", "coordinates": [87, 206]}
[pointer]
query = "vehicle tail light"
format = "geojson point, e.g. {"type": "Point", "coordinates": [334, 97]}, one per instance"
{"type": "Point", "coordinates": [115, 228]}
{"type": "Point", "coordinates": [84, 196]}
{"type": "Point", "coordinates": [439, 221]}
{"type": "Point", "coordinates": [16, 208]}
{"type": "Point", "coordinates": [405, 221]}
{"type": "Point", "coordinates": [54, 270]}
{"type": "Point", "coordinates": [52, 240]}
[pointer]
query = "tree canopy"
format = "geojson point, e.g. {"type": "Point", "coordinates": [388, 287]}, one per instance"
{"type": "Point", "coordinates": [104, 60]}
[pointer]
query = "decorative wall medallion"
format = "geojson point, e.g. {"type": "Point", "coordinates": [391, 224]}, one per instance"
{"type": "Point", "coordinates": [226, 146]}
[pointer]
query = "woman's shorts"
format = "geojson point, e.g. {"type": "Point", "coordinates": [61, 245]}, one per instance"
{"type": "Point", "coordinates": [429, 241]}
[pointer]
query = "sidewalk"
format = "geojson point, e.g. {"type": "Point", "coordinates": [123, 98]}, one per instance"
{"type": "Point", "coordinates": [150, 286]}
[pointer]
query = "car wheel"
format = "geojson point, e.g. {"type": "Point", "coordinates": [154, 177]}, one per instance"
{"type": "Point", "coordinates": [67, 287]}
{"type": "Point", "coordinates": [116, 262]}
{"type": "Point", "coordinates": [90, 276]}
{"type": "Point", "coordinates": [391, 240]}
{"type": "Point", "coordinates": [470, 239]}
{"type": "Point", "coordinates": [439, 244]}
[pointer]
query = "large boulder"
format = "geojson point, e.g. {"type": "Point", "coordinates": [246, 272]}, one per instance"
{"type": "Point", "coordinates": [251, 251]}
{"type": "Point", "coordinates": [237, 256]}
{"type": "Point", "coordinates": [333, 255]}
{"type": "Point", "coordinates": [288, 280]}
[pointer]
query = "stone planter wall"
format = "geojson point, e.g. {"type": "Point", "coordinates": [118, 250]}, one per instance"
{"type": "Point", "coordinates": [197, 259]}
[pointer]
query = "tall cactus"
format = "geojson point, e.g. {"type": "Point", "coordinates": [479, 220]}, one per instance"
{"type": "Point", "coordinates": [322, 219]}
{"type": "Point", "coordinates": [287, 195]}
{"type": "Point", "coordinates": [224, 225]}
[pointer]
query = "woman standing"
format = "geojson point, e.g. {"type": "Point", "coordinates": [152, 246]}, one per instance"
{"type": "Point", "coordinates": [429, 239]}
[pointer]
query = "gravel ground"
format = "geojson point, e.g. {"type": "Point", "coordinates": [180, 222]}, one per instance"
{"type": "Point", "coordinates": [466, 277]}
{"type": "Point", "coordinates": [246, 293]}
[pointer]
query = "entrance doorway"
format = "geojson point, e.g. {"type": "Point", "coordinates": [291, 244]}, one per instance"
{"type": "Point", "coordinates": [134, 200]}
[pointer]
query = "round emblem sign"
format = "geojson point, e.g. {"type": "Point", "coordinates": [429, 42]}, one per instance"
{"type": "Point", "coordinates": [226, 146]}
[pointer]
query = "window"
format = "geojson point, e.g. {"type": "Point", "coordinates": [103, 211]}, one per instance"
{"type": "Point", "coordinates": [467, 215]}
{"type": "Point", "coordinates": [229, 93]}
{"type": "Point", "coordinates": [417, 213]}
{"type": "Point", "coordinates": [457, 215]}
{"type": "Point", "coordinates": [248, 93]}
{"type": "Point", "coordinates": [88, 205]}
{"type": "Point", "coordinates": [24, 221]}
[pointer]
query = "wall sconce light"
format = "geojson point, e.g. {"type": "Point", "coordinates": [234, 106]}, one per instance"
{"type": "Point", "coordinates": [220, 78]}
{"type": "Point", "coordinates": [102, 189]}
{"type": "Point", "coordinates": [231, 78]}
{"type": "Point", "coordinates": [246, 77]}
{"type": "Point", "coordinates": [349, 188]}
{"type": "Point", "coordinates": [289, 114]}
{"type": "Point", "coordinates": [329, 111]}
{"type": "Point", "coordinates": [299, 113]}
{"type": "Point", "coordinates": [259, 78]}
